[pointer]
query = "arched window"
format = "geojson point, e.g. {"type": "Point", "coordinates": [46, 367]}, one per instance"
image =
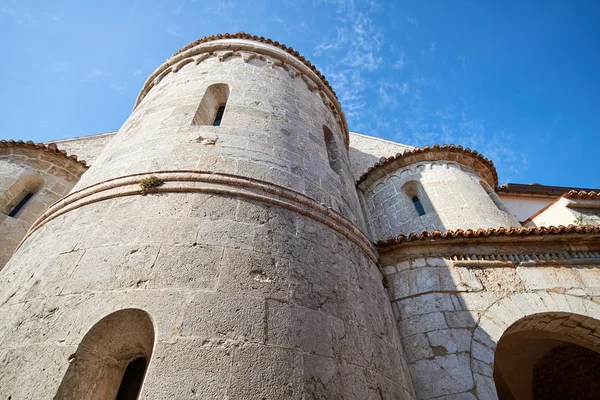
{"type": "Point", "coordinates": [414, 191]}
{"type": "Point", "coordinates": [212, 107]}
{"type": "Point", "coordinates": [333, 152]}
{"type": "Point", "coordinates": [19, 193]}
{"type": "Point", "coordinates": [111, 360]}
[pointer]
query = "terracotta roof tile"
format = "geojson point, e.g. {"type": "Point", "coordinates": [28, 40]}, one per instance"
{"type": "Point", "coordinates": [52, 147]}
{"type": "Point", "coordinates": [582, 194]}
{"type": "Point", "coordinates": [535, 189]}
{"type": "Point", "coordinates": [243, 35]}
{"type": "Point", "coordinates": [470, 233]}
{"type": "Point", "coordinates": [484, 166]}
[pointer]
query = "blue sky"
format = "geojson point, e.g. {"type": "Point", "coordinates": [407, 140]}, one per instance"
{"type": "Point", "coordinates": [516, 80]}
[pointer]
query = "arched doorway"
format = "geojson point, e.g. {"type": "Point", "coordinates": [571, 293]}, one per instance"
{"type": "Point", "coordinates": [111, 360]}
{"type": "Point", "coordinates": [549, 356]}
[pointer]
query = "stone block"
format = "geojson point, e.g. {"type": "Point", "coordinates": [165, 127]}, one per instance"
{"type": "Point", "coordinates": [442, 376]}
{"type": "Point", "coordinates": [295, 327]}
{"type": "Point", "coordinates": [536, 278]}
{"type": "Point", "coordinates": [417, 347]}
{"type": "Point", "coordinates": [424, 323]}
{"type": "Point", "coordinates": [225, 316]}
{"type": "Point", "coordinates": [261, 372]}
{"type": "Point", "coordinates": [255, 274]}
{"type": "Point", "coordinates": [186, 267]}
{"type": "Point", "coordinates": [450, 341]}
{"type": "Point", "coordinates": [112, 268]}
{"type": "Point", "coordinates": [189, 368]}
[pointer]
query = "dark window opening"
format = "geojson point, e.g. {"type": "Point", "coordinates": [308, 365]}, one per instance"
{"type": "Point", "coordinates": [132, 380]}
{"type": "Point", "coordinates": [418, 205]}
{"type": "Point", "coordinates": [219, 116]}
{"type": "Point", "coordinates": [20, 205]}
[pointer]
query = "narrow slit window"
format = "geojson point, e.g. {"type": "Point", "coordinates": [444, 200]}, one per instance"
{"type": "Point", "coordinates": [19, 206]}
{"type": "Point", "coordinates": [132, 380]}
{"type": "Point", "coordinates": [418, 205]}
{"type": "Point", "coordinates": [333, 152]}
{"type": "Point", "coordinates": [219, 116]}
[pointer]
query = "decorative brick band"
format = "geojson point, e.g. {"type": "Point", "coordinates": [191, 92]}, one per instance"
{"type": "Point", "coordinates": [213, 183]}
{"type": "Point", "coordinates": [237, 44]}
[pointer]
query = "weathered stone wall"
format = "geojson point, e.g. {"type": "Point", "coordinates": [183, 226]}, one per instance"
{"type": "Point", "coordinates": [452, 311]}
{"type": "Point", "coordinates": [86, 148]}
{"type": "Point", "coordinates": [365, 151]}
{"type": "Point", "coordinates": [257, 287]}
{"type": "Point", "coordinates": [451, 195]}
{"type": "Point", "coordinates": [25, 169]}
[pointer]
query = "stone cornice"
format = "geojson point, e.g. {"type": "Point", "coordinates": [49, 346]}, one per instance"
{"type": "Point", "coordinates": [213, 183]}
{"type": "Point", "coordinates": [463, 156]}
{"type": "Point", "coordinates": [233, 44]}
{"type": "Point", "coordinates": [513, 241]}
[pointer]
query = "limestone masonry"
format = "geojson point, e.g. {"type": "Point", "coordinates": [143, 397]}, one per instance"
{"type": "Point", "coordinates": [233, 240]}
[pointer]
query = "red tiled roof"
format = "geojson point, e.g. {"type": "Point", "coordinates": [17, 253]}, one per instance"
{"type": "Point", "coordinates": [44, 147]}
{"type": "Point", "coordinates": [535, 189]}
{"type": "Point", "coordinates": [464, 156]}
{"type": "Point", "coordinates": [470, 233]}
{"type": "Point", "coordinates": [582, 194]}
{"type": "Point", "coordinates": [242, 35]}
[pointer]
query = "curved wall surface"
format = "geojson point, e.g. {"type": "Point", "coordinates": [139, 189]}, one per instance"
{"type": "Point", "coordinates": [432, 191]}
{"type": "Point", "coordinates": [244, 246]}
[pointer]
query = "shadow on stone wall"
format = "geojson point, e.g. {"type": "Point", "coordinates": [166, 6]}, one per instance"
{"type": "Point", "coordinates": [452, 318]}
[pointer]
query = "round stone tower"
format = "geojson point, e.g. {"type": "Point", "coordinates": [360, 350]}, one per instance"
{"type": "Point", "coordinates": [215, 249]}
{"type": "Point", "coordinates": [434, 188]}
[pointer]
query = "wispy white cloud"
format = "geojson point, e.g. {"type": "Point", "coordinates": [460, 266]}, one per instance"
{"type": "Point", "coordinates": [118, 88]}
{"type": "Point", "coordinates": [96, 74]}
{"type": "Point", "coordinates": [61, 67]}
{"type": "Point", "coordinates": [174, 32]}
{"type": "Point", "coordinates": [412, 20]}
{"type": "Point", "coordinates": [430, 50]}
{"type": "Point", "coordinates": [19, 16]}
{"type": "Point", "coordinates": [353, 55]}
{"type": "Point", "coordinates": [400, 63]}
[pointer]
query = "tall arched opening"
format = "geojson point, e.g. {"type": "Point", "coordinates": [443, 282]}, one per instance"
{"type": "Point", "coordinates": [111, 360]}
{"type": "Point", "coordinates": [549, 356]}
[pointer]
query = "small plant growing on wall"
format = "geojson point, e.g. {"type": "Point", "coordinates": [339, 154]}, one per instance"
{"type": "Point", "coordinates": [147, 184]}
